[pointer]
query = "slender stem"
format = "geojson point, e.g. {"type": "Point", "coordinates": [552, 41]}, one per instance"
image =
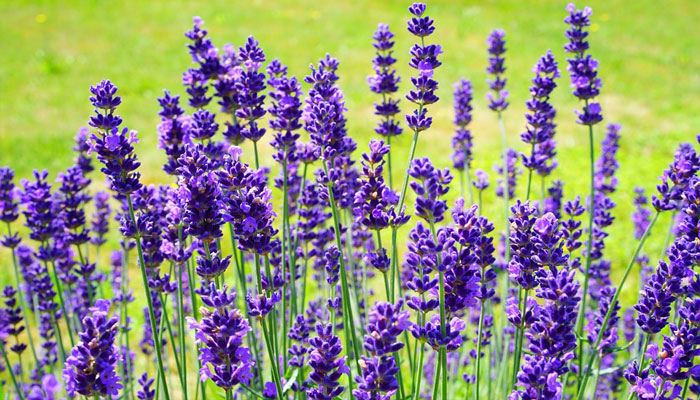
{"type": "Point", "coordinates": [22, 302]}
{"type": "Point", "coordinates": [469, 184]}
{"type": "Point", "coordinates": [402, 199]}
{"type": "Point", "coordinates": [181, 323]}
{"type": "Point", "coordinates": [388, 164]}
{"type": "Point", "coordinates": [418, 377]}
{"type": "Point", "coordinates": [345, 298]}
{"type": "Point", "coordinates": [529, 174]}
{"type": "Point", "coordinates": [478, 345]}
{"type": "Point", "coordinates": [151, 314]}
{"type": "Point", "coordinates": [612, 302]}
{"type": "Point", "coordinates": [589, 246]}
{"type": "Point", "coordinates": [520, 335]}
{"type": "Point", "coordinates": [273, 363]}
{"type": "Point", "coordinates": [597, 376]}
{"type": "Point", "coordinates": [20, 392]}
{"type": "Point", "coordinates": [642, 355]}
{"type": "Point", "coordinates": [506, 189]}
{"type": "Point", "coordinates": [255, 149]}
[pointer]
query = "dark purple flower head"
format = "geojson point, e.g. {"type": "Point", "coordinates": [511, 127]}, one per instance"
{"type": "Point", "coordinates": [481, 180]}
{"type": "Point", "coordinates": [430, 185]}
{"type": "Point", "coordinates": [424, 60]}
{"type": "Point", "coordinates": [582, 68]}
{"type": "Point", "coordinates": [420, 25]}
{"type": "Point", "coordinates": [676, 177]}
{"type": "Point", "coordinates": [497, 48]}
{"type": "Point", "coordinates": [250, 98]}
{"type": "Point", "coordinates": [324, 111]}
{"type": "Point", "coordinates": [90, 369]}
{"type": "Point", "coordinates": [540, 118]}
{"type": "Point", "coordinates": [220, 333]}
{"type": "Point", "coordinates": [385, 81]}
{"type": "Point", "coordinates": [326, 364]}
{"type": "Point", "coordinates": [641, 215]}
{"type": "Point", "coordinates": [114, 148]}
{"type": "Point", "coordinates": [511, 159]}
{"type": "Point", "coordinates": [82, 150]}
{"type": "Point", "coordinates": [386, 322]}
{"type": "Point", "coordinates": [374, 202]}
{"type": "Point", "coordinates": [8, 196]}
{"type": "Point", "coordinates": [462, 140]}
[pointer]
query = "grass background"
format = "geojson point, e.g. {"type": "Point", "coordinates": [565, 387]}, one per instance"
{"type": "Point", "coordinates": [52, 52]}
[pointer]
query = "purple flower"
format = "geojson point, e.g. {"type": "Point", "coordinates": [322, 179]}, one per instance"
{"type": "Point", "coordinates": [82, 150]}
{"type": "Point", "coordinates": [540, 118]}
{"type": "Point", "coordinates": [462, 140]}
{"type": "Point", "coordinates": [430, 185]}
{"type": "Point", "coordinates": [675, 178]}
{"type": "Point", "coordinates": [498, 100]}
{"type": "Point", "coordinates": [582, 68]}
{"type": "Point", "coordinates": [385, 82]}
{"type": "Point", "coordinates": [511, 158]}
{"type": "Point", "coordinates": [324, 117]}
{"type": "Point", "coordinates": [326, 364]}
{"type": "Point", "coordinates": [146, 392]}
{"type": "Point", "coordinates": [286, 113]}
{"type": "Point", "coordinates": [421, 260]}
{"type": "Point", "coordinates": [252, 82]}
{"type": "Point", "coordinates": [11, 318]}
{"type": "Point", "coordinates": [114, 148]}
{"type": "Point", "coordinates": [8, 196]}
{"type": "Point", "coordinates": [374, 202]}
{"type": "Point", "coordinates": [424, 60]}
{"type": "Point", "coordinates": [200, 194]}
{"type": "Point", "coordinates": [641, 215]}
{"type": "Point", "coordinates": [90, 369]}
{"type": "Point", "coordinates": [482, 180]}
{"type": "Point", "coordinates": [71, 203]}
{"type": "Point", "coordinates": [220, 333]}
{"type": "Point", "coordinates": [100, 219]}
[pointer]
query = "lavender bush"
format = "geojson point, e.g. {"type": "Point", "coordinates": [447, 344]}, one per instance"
{"type": "Point", "coordinates": [303, 284]}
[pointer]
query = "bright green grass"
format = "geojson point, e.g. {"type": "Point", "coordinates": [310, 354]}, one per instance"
{"type": "Point", "coordinates": [51, 53]}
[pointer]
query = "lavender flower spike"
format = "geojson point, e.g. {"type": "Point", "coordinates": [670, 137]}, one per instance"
{"type": "Point", "coordinates": [90, 369]}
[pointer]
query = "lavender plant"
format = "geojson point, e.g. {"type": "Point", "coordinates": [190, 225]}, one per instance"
{"type": "Point", "coordinates": [284, 286]}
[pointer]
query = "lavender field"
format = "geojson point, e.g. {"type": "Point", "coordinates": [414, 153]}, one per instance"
{"type": "Point", "coordinates": [422, 201]}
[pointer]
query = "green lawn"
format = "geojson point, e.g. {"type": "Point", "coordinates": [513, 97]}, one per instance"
{"type": "Point", "coordinates": [52, 52]}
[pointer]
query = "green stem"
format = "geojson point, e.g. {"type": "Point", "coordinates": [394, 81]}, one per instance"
{"type": "Point", "coordinates": [402, 199]}
{"type": "Point", "coordinates": [151, 314]}
{"type": "Point", "coordinates": [520, 335]}
{"type": "Point", "coordinates": [478, 345]}
{"type": "Point", "coordinates": [529, 174]}
{"type": "Point", "coordinates": [20, 392]}
{"type": "Point", "coordinates": [350, 339]}
{"type": "Point", "coordinates": [612, 302]}
{"type": "Point", "coordinates": [589, 244]}
{"type": "Point", "coordinates": [22, 302]}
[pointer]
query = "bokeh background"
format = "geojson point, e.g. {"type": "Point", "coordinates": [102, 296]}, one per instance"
{"type": "Point", "coordinates": [51, 52]}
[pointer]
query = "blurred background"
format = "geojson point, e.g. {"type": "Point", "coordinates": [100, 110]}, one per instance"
{"type": "Point", "coordinates": [51, 52]}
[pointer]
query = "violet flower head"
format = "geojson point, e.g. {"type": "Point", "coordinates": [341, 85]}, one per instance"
{"type": "Point", "coordinates": [286, 113]}
{"type": "Point", "coordinates": [498, 100]}
{"type": "Point", "coordinates": [374, 203]}
{"type": "Point", "coordinates": [326, 364]}
{"type": "Point", "coordinates": [146, 392]}
{"type": "Point", "coordinates": [430, 185]}
{"type": "Point", "coordinates": [385, 82]}
{"type": "Point", "coordinates": [90, 369]}
{"type": "Point", "coordinates": [324, 112]}
{"type": "Point", "coordinates": [540, 118]}
{"type": "Point", "coordinates": [114, 148]}
{"type": "Point", "coordinates": [220, 333]}
{"type": "Point", "coordinates": [641, 215]}
{"type": "Point", "coordinates": [9, 205]}
{"type": "Point", "coordinates": [72, 199]}
{"type": "Point", "coordinates": [582, 68]}
{"type": "Point", "coordinates": [386, 323]}
{"type": "Point", "coordinates": [676, 177]}
{"type": "Point", "coordinates": [424, 61]}
{"type": "Point", "coordinates": [607, 164]}
{"type": "Point", "coordinates": [172, 132]}
{"type": "Point", "coordinates": [250, 98]}
{"type": "Point", "coordinates": [522, 268]}
{"type": "Point", "coordinates": [100, 219]}
{"type": "Point", "coordinates": [200, 194]}
{"type": "Point", "coordinates": [421, 260]}
{"type": "Point", "coordinates": [462, 140]}
{"type": "Point", "coordinates": [40, 208]}
{"type": "Point", "coordinates": [511, 159]}
{"type": "Point", "coordinates": [481, 180]}
{"type": "Point", "coordinates": [11, 318]}
{"type": "Point", "coordinates": [82, 150]}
